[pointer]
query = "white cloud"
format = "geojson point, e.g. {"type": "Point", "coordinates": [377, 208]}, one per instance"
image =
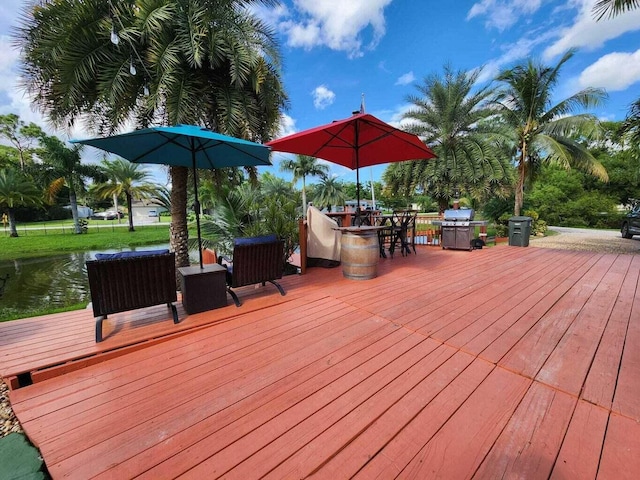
{"type": "Point", "coordinates": [614, 71]}
{"type": "Point", "coordinates": [502, 14]}
{"type": "Point", "coordinates": [322, 97]}
{"type": "Point", "coordinates": [335, 24]}
{"type": "Point", "coordinates": [287, 126]}
{"type": "Point", "coordinates": [589, 34]}
{"type": "Point", "coordinates": [512, 53]}
{"type": "Point", "coordinates": [406, 79]}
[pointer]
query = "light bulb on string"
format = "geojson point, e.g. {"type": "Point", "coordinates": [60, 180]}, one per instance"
{"type": "Point", "coordinates": [114, 36]}
{"type": "Point", "coordinates": [132, 68]}
{"type": "Point", "coordinates": [145, 90]}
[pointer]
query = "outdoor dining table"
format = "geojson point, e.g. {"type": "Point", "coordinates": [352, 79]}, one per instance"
{"type": "Point", "coordinates": [347, 219]}
{"type": "Point", "coordinates": [395, 228]}
{"type": "Point", "coordinates": [359, 251]}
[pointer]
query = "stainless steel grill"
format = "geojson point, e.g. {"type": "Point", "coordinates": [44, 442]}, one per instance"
{"type": "Point", "coordinates": [457, 229]}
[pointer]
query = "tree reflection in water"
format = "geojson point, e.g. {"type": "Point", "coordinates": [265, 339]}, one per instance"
{"type": "Point", "coordinates": [47, 282]}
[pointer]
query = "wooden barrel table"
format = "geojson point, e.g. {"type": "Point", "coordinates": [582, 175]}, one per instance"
{"type": "Point", "coordinates": [359, 252]}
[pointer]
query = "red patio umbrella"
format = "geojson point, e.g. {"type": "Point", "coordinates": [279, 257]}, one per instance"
{"type": "Point", "coordinates": [361, 140]}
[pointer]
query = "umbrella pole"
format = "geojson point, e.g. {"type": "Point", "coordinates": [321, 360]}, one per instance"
{"type": "Point", "coordinates": [196, 205]}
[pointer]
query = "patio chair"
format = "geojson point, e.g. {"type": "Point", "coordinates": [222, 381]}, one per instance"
{"type": "Point", "coordinates": [255, 260]}
{"type": "Point", "coordinates": [404, 226]}
{"type": "Point", "coordinates": [130, 280]}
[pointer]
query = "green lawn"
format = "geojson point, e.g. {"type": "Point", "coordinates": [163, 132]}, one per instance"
{"type": "Point", "coordinates": [45, 242]}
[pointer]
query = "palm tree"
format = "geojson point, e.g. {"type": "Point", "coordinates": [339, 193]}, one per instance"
{"type": "Point", "coordinates": [64, 168]}
{"type": "Point", "coordinates": [17, 190]}
{"type": "Point", "coordinates": [611, 8]}
{"type": "Point", "coordinates": [304, 166]}
{"type": "Point", "coordinates": [125, 178]}
{"type": "Point", "coordinates": [271, 186]}
{"type": "Point", "coordinates": [329, 192]}
{"type": "Point", "coordinates": [200, 62]}
{"type": "Point", "coordinates": [546, 132]}
{"type": "Point", "coordinates": [450, 115]}
{"type": "Point", "coordinates": [631, 125]}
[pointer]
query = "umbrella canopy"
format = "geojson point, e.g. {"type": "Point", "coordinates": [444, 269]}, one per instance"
{"type": "Point", "coordinates": [184, 146]}
{"type": "Point", "coordinates": [358, 141]}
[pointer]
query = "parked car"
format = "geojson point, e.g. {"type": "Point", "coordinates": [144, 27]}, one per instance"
{"type": "Point", "coordinates": [108, 215]}
{"type": "Point", "coordinates": [631, 223]}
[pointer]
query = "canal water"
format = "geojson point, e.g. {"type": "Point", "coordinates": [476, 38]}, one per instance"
{"type": "Point", "coordinates": [29, 283]}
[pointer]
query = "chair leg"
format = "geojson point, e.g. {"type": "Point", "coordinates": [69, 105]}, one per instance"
{"type": "Point", "coordinates": [174, 312]}
{"type": "Point", "coordinates": [278, 286]}
{"type": "Point", "coordinates": [236, 300]}
{"type": "Point", "coordinates": [99, 328]}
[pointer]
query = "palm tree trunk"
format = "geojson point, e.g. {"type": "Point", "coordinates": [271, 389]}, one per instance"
{"type": "Point", "coordinates": [115, 206]}
{"type": "Point", "coordinates": [129, 205]}
{"type": "Point", "coordinates": [179, 234]}
{"type": "Point", "coordinates": [13, 231]}
{"type": "Point", "coordinates": [304, 199]}
{"type": "Point", "coordinates": [74, 211]}
{"type": "Point", "coordinates": [519, 200]}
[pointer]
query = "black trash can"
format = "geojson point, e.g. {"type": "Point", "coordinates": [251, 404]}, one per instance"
{"type": "Point", "coordinates": [519, 231]}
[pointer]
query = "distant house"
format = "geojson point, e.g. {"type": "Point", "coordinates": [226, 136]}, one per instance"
{"type": "Point", "coordinates": [146, 211]}
{"type": "Point", "coordinates": [83, 211]}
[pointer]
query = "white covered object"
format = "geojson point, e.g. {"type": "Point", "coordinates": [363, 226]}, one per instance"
{"type": "Point", "coordinates": [323, 242]}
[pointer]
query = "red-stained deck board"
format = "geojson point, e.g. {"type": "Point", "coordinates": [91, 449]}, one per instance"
{"type": "Point", "coordinates": [579, 455]}
{"type": "Point", "coordinates": [626, 400]}
{"type": "Point", "coordinates": [212, 351]}
{"type": "Point", "coordinates": [415, 292]}
{"type": "Point", "coordinates": [510, 301]}
{"type": "Point", "coordinates": [333, 381]}
{"type": "Point", "coordinates": [149, 404]}
{"type": "Point", "coordinates": [276, 437]}
{"type": "Point", "coordinates": [568, 365]}
{"type": "Point", "coordinates": [396, 454]}
{"type": "Point", "coordinates": [417, 311]}
{"type": "Point", "coordinates": [620, 459]}
{"type": "Point", "coordinates": [447, 321]}
{"type": "Point", "coordinates": [601, 381]}
{"type": "Point", "coordinates": [473, 429]}
{"type": "Point", "coordinates": [528, 446]}
{"type": "Point", "coordinates": [352, 455]}
{"type": "Point", "coordinates": [496, 340]}
{"type": "Point", "coordinates": [214, 394]}
{"type": "Point", "coordinates": [315, 452]}
{"type": "Point", "coordinates": [529, 354]}
{"type": "Point", "coordinates": [252, 410]}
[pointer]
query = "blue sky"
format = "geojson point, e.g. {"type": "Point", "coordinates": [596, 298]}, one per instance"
{"type": "Point", "coordinates": [335, 50]}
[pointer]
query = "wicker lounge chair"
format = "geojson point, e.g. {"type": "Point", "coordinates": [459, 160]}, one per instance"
{"type": "Point", "coordinates": [129, 280]}
{"type": "Point", "coordinates": [255, 260]}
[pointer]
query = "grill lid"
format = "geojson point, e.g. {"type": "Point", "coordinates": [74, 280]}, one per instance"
{"type": "Point", "coordinates": [461, 214]}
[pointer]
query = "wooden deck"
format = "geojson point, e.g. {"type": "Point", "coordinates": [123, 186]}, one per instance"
{"type": "Point", "coordinates": [498, 363]}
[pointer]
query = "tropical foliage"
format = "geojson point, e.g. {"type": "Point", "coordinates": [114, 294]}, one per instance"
{"type": "Point", "coordinates": [197, 62]}
{"type": "Point", "coordinates": [303, 166]}
{"type": "Point", "coordinates": [63, 168]}
{"type": "Point", "coordinates": [450, 115]}
{"type": "Point", "coordinates": [329, 191]}
{"type": "Point", "coordinates": [611, 8]}
{"type": "Point", "coordinates": [546, 132]}
{"type": "Point", "coordinates": [16, 190]}
{"type": "Point", "coordinates": [125, 178]}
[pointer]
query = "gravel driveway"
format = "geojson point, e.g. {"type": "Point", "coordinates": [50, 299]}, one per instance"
{"type": "Point", "coordinates": [607, 241]}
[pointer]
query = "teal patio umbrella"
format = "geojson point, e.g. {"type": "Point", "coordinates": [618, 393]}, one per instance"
{"type": "Point", "coordinates": [184, 146]}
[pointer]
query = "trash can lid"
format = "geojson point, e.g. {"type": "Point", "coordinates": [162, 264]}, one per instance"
{"type": "Point", "coordinates": [520, 219]}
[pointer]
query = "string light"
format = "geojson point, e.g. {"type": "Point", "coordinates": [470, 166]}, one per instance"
{"type": "Point", "coordinates": [114, 36]}
{"type": "Point", "coordinates": [115, 39]}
